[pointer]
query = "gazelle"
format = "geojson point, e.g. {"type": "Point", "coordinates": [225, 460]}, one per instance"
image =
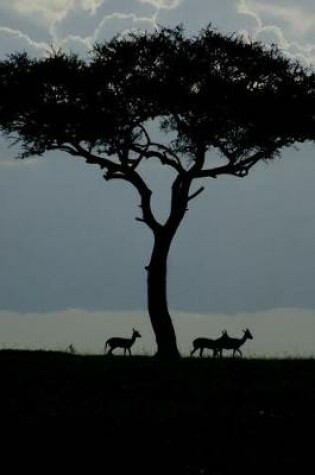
{"type": "Point", "coordinates": [210, 344]}
{"type": "Point", "coordinates": [124, 343]}
{"type": "Point", "coordinates": [71, 349]}
{"type": "Point", "coordinates": [235, 343]}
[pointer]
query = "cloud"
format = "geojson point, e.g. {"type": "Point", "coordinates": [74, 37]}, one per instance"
{"type": "Point", "coordinates": [87, 331]}
{"type": "Point", "coordinates": [197, 14]}
{"type": "Point", "coordinates": [168, 4]}
{"type": "Point", "coordinates": [91, 5]}
{"type": "Point", "coordinates": [119, 23]}
{"type": "Point", "coordinates": [76, 24]}
{"type": "Point", "coordinates": [50, 11]}
{"type": "Point", "coordinates": [277, 332]}
{"type": "Point", "coordinates": [111, 25]}
{"type": "Point", "coordinates": [287, 24]}
{"type": "Point", "coordinates": [299, 18]}
{"type": "Point", "coordinates": [77, 31]}
{"type": "Point", "coordinates": [47, 11]}
{"type": "Point", "coordinates": [76, 44]}
{"type": "Point", "coordinates": [15, 40]}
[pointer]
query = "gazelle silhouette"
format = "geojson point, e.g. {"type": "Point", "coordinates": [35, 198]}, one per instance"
{"type": "Point", "coordinates": [71, 349]}
{"type": "Point", "coordinates": [210, 344]}
{"type": "Point", "coordinates": [235, 343]}
{"type": "Point", "coordinates": [124, 343]}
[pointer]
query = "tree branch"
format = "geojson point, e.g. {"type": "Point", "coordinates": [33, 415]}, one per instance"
{"type": "Point", "coordinates": [75, 149]}
{"type": "Point", "coordinates": [240, 169]}
{"type": "Point", "coordinates": [199, 161]}
{"type": "Point", "coordinates": [167, 150]}
{"type": "Point", "coordinates": [122, 172]}
{"type": "Point", "coordinates": [196, 193]}
{"type": "Point", "coordinates": [140, 220]}
{"type": "Point", "coordinates": [145, 194]}
{"type": "Point", "coordinates": [162, 156]}
{"type": "Point", "coordinates": [131, 176]}
{"type": "Point", "coordinates": [145, 132]}
{"type": "Point", "coordinates": [179, 200]}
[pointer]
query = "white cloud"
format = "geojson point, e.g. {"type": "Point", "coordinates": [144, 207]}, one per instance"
{"type": "Point", "coordinates": [120, 23]}
{"type": "Point", "coordinates": [289, 25]}
{"type": "Point", "coordinates": [75, 44]}
{"type": "Point", "coordinates": [305, 53]}
{"type": "Point", "coordinates": [90, 5]}
{"type": "Point", "coordinates": [244, 9]}
{"type": "Point", "coordinates": [47, 11]}
{"type": "Point", "coordinates": [87, 331]}
{"type": "Point", "coordinates": [51, 12]}
{"type": "Point", "coordinates": [168, 4]}
{"type": "Point", "coordinates": [72, 24]}
{"type": "Point", "coordinates": [300, 19]}
{"type": "Point", "coordinates": [14, 40]}
{"type": "Point", "coordinates": [277, 332]}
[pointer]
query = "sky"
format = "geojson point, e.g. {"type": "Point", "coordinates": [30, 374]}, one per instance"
{"type": "Point", "coordinates": [72, 255]}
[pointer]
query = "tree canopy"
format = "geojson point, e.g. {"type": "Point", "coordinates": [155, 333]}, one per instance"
{"type": "Point", "coordinates": [210, 92]}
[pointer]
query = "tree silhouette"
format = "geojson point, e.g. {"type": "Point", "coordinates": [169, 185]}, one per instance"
{"type": "Point", "coordinates": [206, 93]}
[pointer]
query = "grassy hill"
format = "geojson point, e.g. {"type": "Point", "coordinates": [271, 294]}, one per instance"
{"type": "Point", "coordinates": [193, 416]}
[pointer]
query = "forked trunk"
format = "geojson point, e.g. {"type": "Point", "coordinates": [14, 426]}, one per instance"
{"type": "Point", "coordinates": [157, 298]}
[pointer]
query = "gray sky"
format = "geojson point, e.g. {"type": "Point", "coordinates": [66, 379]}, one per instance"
{"type": "Point", "coordinates": [69, 240]}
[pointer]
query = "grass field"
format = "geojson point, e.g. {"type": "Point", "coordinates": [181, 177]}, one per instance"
{"type": "Point", "coordinates": [193, 416]}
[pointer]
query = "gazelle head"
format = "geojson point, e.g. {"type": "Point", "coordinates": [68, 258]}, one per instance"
{"type": "Point", "coordinates": [135, 333]}
{"type": "Point", "coordinates": [248, 334]}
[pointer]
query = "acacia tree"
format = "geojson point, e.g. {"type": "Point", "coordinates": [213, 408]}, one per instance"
{"type": "Point", "coordinates": [206, 93]}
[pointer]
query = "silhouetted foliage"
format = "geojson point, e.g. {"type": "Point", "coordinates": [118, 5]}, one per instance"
{"type": "Point", "coordinates": [209, 92]}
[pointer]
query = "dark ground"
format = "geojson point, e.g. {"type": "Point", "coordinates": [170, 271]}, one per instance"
{"type": "Point", "coordinates": [137, 415]}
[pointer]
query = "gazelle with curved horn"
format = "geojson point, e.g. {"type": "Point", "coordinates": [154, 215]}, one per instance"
{"type": "Point", "coordinates": [234, 344]}
{"type": "Point", "coordinates": [124, 343]}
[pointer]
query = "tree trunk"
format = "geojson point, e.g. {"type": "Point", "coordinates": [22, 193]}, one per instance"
{"type": "Point", "coordinates": [157, 297]}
